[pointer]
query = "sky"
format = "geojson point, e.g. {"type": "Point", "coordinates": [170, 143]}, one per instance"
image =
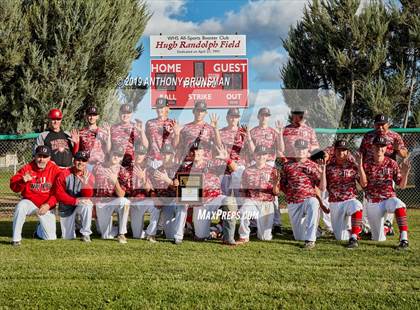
{"type": "Point", "coordinates": [264, 22]}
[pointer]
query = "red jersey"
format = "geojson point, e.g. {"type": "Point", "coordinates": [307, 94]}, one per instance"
{"type": "Point", "coordinates": [69, 186]}
{"type": "Point", "coordinates": [159, 132]}
{"type": "Point", "coordinates": [39, 189]}
{"type": "Point", "coordinates": [267, 137]}
{"type": "Point", "coordinates": [291, 133]}
{"type": "Point", "coordinates": [125, 135]}
{"type": "Point", "coordinates": [380, 177]}
{"type": "Point", "coordinates": [138, 185]}
{"type": "Point", "coordinates": [211, 180]}
{"type": "Point", "coordinates": [234, 141]}
{"type": "Point", "coordinates": [104, 186]}
{"type": "Point", "coordinates": [192, 132]}
{"type": "Point", "coordinates": [341, 180]}
{"type": "Point", "coordinates": [298, 180]}
{"type": "Point", "coordinates": [94, 142]}
{"type": "Point", "coordinates": [366, 147]}
{"type": "Point", "coordinates": [257, 183]}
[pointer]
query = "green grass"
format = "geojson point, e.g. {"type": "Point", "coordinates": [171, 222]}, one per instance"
{"type": "Point", "coordinates": [276, 274]}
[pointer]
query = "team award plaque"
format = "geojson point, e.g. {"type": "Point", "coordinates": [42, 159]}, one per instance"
{"type": "Point", "coordinates": [190, 187]}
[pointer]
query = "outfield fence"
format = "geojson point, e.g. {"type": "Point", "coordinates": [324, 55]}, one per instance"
{"type": "Point", "coordinates": [16, 150]}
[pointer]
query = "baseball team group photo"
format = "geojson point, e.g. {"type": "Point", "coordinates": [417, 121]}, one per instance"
{"type": "Point", "coordinates": [202, 154]}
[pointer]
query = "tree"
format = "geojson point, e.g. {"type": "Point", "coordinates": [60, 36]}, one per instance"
{"type": "Point", "coordinates": [73, 54]}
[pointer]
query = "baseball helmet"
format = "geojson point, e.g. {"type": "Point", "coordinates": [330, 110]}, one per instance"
{"type": "Point", "coordinates": [55, 114]}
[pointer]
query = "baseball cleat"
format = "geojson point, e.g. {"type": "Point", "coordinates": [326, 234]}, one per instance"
{"type": "Point", "coordinates": [16, 243]}
{"type": "Point", "coordinates": [151, 239]}
{"type": "Point", "coordinates": [85, 238]}
{"type": "Point", "coordinates": [178, 241]}
{"type": "Point", "coordinates": [403, 245]}
{"type": "Point", "coordinates": [309, 245]}
{"type": "Point", "coordinates": [122, 239]}
{"type": "Point", "coordinates": [253, 231]}
{"type": "Point", "coordinates": [277, 230]}
{"type": "Point", "coordinates": [389, 230]}
{"type": "Point", "coordinates": [353, 243]}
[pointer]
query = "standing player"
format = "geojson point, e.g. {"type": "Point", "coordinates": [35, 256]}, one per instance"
{"type": "Point", "coordinates": [93, 139]}
{"type": "Point", "coordinates": [74, 191]}
{"type": "Point", "coordinates": [339, 178]}
{"type": "Point", "coordinates": [140, 198]}
{"type": "Point", "coordinates": [300, 178]}
{"type": "Point", "coordinates": [159, 131]}
{"type": "Point", "coordinates": [272, 139]}
{"type": "Point", "coordinates": [125, 134]}
{"type": "Point", "coordinates": [381, 172]}
{"type": "Point", "coordinates": [258, 188]}
{"type": "Point", "coordinates": [394, 147]}
{"type": "Point", "coordinates": [62, 143]}
{"type": "Point", "coordinates": [34, 181]}
{"type": "Point", "coordinates": [112, 182]}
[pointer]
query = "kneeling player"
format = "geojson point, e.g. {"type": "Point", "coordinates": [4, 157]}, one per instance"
{"type": "Point", "coordinates": [380, 193]}
{"type": "Point", "coordinates": [74, 189]}
{"type": "Point", "coordinates": [339, 178]}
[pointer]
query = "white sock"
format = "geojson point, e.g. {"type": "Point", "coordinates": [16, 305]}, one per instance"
{"type": "Point", "coordinates": [404, 235]}
{"type": "Point", "coordinates": [354, 236]}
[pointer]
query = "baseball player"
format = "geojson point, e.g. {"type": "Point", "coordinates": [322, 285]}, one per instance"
{"type": "Point", "coordinates": [140, 198]}
{"type": "Point", "coordinates": [112, 183]}
{"type": "Point", "coordinates": [74, 191]}
{"type": "Point", "coordinates": [94, 139]}
{"type": "Point", "coordinates": [34, 181]}
{"type": "Point", "coordinates": [62, 143]}
{"type": "Point", "coordinates": [395, 147]}
{"type": "Point", "coordinates": [198, 131]}
{"type": "Point", "coordinates": [272, 139]}
{"type": "Point", "coordinates": [126, 134]}
{"type": "Point", "coordinates": [381, 172]}
{"type": "Point", "coordinates": [259, 191]}
{"type": "Point", "coordinates": [339, 178]}
{"type": "Point", "coordinates": [159, 131]}
{"type": "Point", "coordinates": [213, 198]}
{"type": "Point", "coordinates": [300, 179]}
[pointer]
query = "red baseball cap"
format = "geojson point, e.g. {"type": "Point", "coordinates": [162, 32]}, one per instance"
{"type": "Point", "coordinates": [55, 114]}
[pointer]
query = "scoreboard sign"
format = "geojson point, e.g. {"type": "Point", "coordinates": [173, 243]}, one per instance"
{"type": "Point", "coordinates": [222, 83]}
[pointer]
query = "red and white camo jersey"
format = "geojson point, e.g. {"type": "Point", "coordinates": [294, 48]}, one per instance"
{"type": "Point", "coordinates": [234, 141]}
{"type": "Point", "coordinates": [330, 150]}
{"type": "Point", "coordinates": [291, 133]}
{"type": "Point", "coordinates": [125, 135]}
{"type": "Point", "coordinates": [94, 142]}
{"type": "Point", "coordinates": [159, 132]}
{"type": "Point", "coordinates": [366, 147]}
{"type": "Point", "coordinates": [341, 180]}
{"type": "Point", "coordinates": [104, 187]}
{"type": "Point", "coordinates": [257, 183]}
{"type": "Point", "coordinates": [192, 132]}
{"type": "Point", "coordinates": [162, 189]}
{"type": "Point", "coordinates": [267, 137]}
{"type": "Point", "coordinates": [138, 184]}
{"type": "Point", "coordinates": [380, 177]}
{"type": "Point", "coordinates": [298, 180]}
{"type": "Point", "coordinates": [211, 181]}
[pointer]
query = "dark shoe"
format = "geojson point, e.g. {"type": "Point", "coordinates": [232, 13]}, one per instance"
{"type": "Point", "coordinates": [309, 245]}
{"type": "Point", "coordinates": [253, 232]}
{"type": "Point", "coordinates": [389, 230]}
{"type": "Point", "coordinates": [353, 243]}
{"type": "Point", "coordinates": [403, 245]}
{"type": "Point", "coordinates": [277, 230]}
{"type": "Point", "coordinates": [16, 243]}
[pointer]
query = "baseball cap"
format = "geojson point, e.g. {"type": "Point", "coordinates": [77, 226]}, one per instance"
{"type": "Point", "coordinates": [381, 119]}
{"type": "Point", "coordinates": [43, 150]}
{"type": "Point", "coordinates": [341, 144]}
{"type": "Point", "coordinates": [301, 144]}
{"type": "Point", "coordinates": [298, 110]}
{"type": "Point", "coordinates": [55, 114]}
{"type": "Point", "coordinates": [167, 148]}
{"type": "Point", "coordinates": [264, 111]}
{"type": "Point", "coordinates": [233, 112]}
{"type": "Point", "coordinates": [161, 102]}
{"type": "Point", "coordinates": [92, 111]}
{"type": "Point", "coordinates": [379, 140]}
{"type": "Point", "coordinates": [200, 105]}
{"type": "Point", "coordinates": [140, 149]}
{"type": "Point", "coordinates": [117, 150]}
{"type": "Point", "coordinates": [81, 155]}
{"type": "Point", "coordinates": [126, 108]}
{"type": "Point", "coordinates": [261, 149]}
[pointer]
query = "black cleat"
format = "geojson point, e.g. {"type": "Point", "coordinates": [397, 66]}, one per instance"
{"type": "Point", "coordinates": [277, 230]}
{"type": "Point", "coordinates": [403, 245]}
{"type": "Point", "coordinates": [389, 229]}
{"type": "Point", "coordinates": [353, 243]}
{"type": "Point", "coordinates": [253, 231]}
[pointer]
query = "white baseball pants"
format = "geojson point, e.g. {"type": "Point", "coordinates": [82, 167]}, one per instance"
{"type": "Point", "coordinates": [341, 213]}
{"type": "Point", "coordinates": [304, 219]}
{"type": "Point", "coordinates": [137, 210]}
{"type": "Point", "coordinates": [174, 217]}
{"type": "Point", "coordinates": [264, 220]}
{"type": "Point", "coordinates": [202, 224]}
{"type": "Point", "coordinates": [68, 223]}
{"type": "Point", "coordinates": [104, 211]}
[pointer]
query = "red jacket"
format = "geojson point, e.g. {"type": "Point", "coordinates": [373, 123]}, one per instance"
{"type": "Point", "coordinates": [68, 186]}
{"type": "Point", "coordinates": [39, 189]}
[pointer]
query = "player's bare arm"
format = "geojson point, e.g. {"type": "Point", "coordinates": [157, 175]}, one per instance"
{"type": "Point", "coordinates": [405, 169]}
{"type": "Point", "coordinates": [214, 120]}
{"type": "Point", "coordinates": [359, 164]}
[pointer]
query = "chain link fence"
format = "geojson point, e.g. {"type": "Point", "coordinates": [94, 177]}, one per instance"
{"type": "Point", "coordinates": [16, 150]}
